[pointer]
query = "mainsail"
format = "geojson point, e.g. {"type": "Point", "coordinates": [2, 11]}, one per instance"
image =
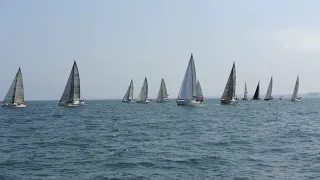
{"type": "Point", "coordinates": [15, 93]}
{"type": "Point", "coordinates": [269, 91]}
{"type": "Point", "coordinates": [144, 91]}
{"type": "Point", "coordinates": [129, 94]}
{"type": "Point", "coordinates": [229, 92]}
{"type": "Point", "coordinates": [72, 90]}
{"type": "Point", "coordinates": [199, 90]}
{"type": "Point", "coordinates": [295, 91]}
{"type": "Point", "coordinates": [188, 89]}
{"type": "Point", "coordinates": [245, 94]}
{"type": "Point", "coordinates": [256, 94]}
{"type": "Point", "coordinates": [162, 91]}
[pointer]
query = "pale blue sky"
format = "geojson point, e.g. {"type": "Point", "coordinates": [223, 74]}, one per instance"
{"type": "Point", "coordinates": [114, 41]}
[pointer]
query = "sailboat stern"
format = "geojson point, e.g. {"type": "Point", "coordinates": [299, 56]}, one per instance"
{"type": "Point", "coordinates": [184, 102]}
{"type": "Point", "coordinates": [228, 101]}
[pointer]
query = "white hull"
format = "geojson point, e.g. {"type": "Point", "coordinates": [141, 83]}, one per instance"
{"type": "Point", "coordinates": [294, 100]}
{"type": "Point", "coordinates": [188, 102]}
{"type": "Point", "coordinates": [144, 101]}
{"type": "Point", "coordinates": [128, 101]}
{"type": "Point", "coordinates": [232, 101]}
{"type": "Point", "coordinates": [73, 104]}
{"type": "Point", "coordinates": [15, 105]}
{"type": "Point", "coordinates": [163, 100]}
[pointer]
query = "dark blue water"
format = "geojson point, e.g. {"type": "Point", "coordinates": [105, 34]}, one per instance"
{"type": "Point", "coordinates": [114, 140]}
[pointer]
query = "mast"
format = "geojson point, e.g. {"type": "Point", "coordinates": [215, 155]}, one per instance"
{"type": "Point", "coordinates": [160, 94]}
{"type": "Point", "coordinates": [144, 91]}
{"type": "Point", "coordinates": [72, 89]}
{"type": "Point", "coordinates": [256, 94]}
{"type": "Point", "coordinates": [199, 90]}
{"type": "Point", "coordinates": [245, 95]}
{"type": "Point", "coordinates": [15, 86]}
{"type": "Point", "coordinates": [129, 94]}
{"type": "Point", "coordinates": [188, 89]}
{"type": "Point", "coordinates": [230, 88]}
{"type": "Point", "coordinates": [162, 91]}
{"type": "Point", "coordinates": [131, 90]}
{"type": "Point", "coordinates": [16, 91]}
{"type": "Point", "coordinates": [71, 94]}
{"type": "Point", "coordinates": [269, 91]}
{"type": "Point", "coordinates": [295, 90]}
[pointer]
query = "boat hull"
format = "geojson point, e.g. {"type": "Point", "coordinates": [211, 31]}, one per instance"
{"type": "Point", "coordinates": [268, 99]}
{"type": "Point", "coordinates": [147, 101]}
{"type": "Point", "coordinates": [188, 102]}
{"type": "Point", "coordinates": [73, 104]}
{"type": "Point", "coordinates": [129, 101]}
{"type": "Point", "coordinates": [163, 100]}
{"type": "Point", "coordinates": [245, 99]}
{"type": "Point", "coordinates": [232, 101]}
{"type": "Point", "coordinates": [256, 99]}
{"type": "Point", "coordinates": [15, 105]}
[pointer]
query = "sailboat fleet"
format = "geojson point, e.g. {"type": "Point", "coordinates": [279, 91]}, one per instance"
{"type": "Point", "coordinates": [190, 93]}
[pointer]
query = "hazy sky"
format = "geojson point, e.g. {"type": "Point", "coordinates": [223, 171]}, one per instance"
{"type": "Point", "coordinates": [114, 41]}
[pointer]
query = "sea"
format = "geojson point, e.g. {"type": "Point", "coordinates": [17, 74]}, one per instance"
{"type": "Point", "coordinates": [111, 140]}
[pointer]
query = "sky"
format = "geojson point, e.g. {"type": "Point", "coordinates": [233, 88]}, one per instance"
{"type": "Point", "coordinates": [114, 41]}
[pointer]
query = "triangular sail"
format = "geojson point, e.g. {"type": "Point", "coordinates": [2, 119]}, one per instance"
{"type": "Point", "coordinates": [269, 91]}
{"type": "Point", "coordinates": [15, 93]}
{"type": "Point", "coordinates": [144, 91]}
{"type": "Point", "coordinates": [72, 90]}
{"type": "Point", "coordinates": [188, 89]}
{"type": "Point", "coordinates": [199, 90]}
{"type": "Point", "coordinates": [229, 92]}
{"type": "Point", "coordinates": [245, 94]}
{"type": "Point", "coordinates": [257, 92]}
{"type": "Point", "coordinates": [162, 91]}
{"type": "Point", "coordinates": [295, 90]}
{"type": "Point", "coordinates": [129, 94]}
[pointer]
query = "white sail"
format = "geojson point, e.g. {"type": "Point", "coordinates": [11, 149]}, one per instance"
{"type": "Point", "coordinates": [269, 91]}
{"type": "Point", "coordinates": [144, 91]}
{"type": "Point", "coordinates": [72, 90]}
{"type": "Point", "coordinates": [129, 94]}
{"type": "Point", "coordinates": [162, 95]}
{"type": "Point", "coordinates": [245, 94]}
{"type": "Point", "coordinates": [15, 93]}
{"type": "Point", "coordinates": [188, 89]}
{"type": "Point", "coordinates": [295, 90]}
{"type": "Point", "coordinates": [199, 90]}
{"type": "Point", "coordinates": [229, 92]}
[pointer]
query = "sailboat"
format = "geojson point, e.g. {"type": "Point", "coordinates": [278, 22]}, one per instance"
{"type": "Point", "coordinates": [269, 91]}
{"type": "Point", "coordinates": [71, 93]}
{"type": "Point", "coordinates": [163, 94]}
{"type": "Point", "coordinates": [256, 95]}
{"type": "Point", "coordinates": [128, 97]}
{"type": "Point", "coordinates": [199, 92]}
{"type": "Point", "coordinates": [229, 93]}
{"type": "Point", "coordinates": [245, 94]}
{"type": "Point", "coordinates": [15, 94]}
{"type": "Point", "coordinates": [188, 90]}
{"type": "Point", "coordinates": [295, 91]}
{"type": "Point", "coordinates": [143, 96]}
